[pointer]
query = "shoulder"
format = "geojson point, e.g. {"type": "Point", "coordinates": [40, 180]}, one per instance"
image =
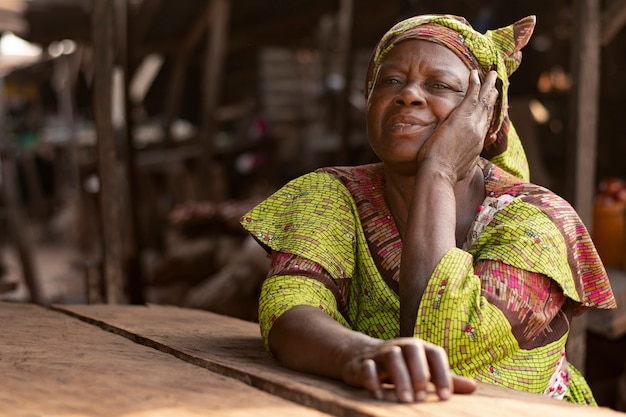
{"type": "Point", "coordinates": [314, 217]}
{"type": "Point", "coordinates": [541, 232]}
{"type": "Point", "coordinates": [312, 208]}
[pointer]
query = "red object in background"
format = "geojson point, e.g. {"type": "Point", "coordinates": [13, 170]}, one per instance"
{"type": "Point", "coordinates": [611, 189]}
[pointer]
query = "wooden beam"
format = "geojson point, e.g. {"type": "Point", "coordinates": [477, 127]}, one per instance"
{"type": "Point", "coordinates": [198, 29]}
{"type": "Point", "coordinates": [103, 25]}
{"type": "Point", "coordinates": [219, 23]}
{"type": "Point", "coordinates": [181, 61]}
{"type": "Point", "coordinates": [142, 20]}
{"type": "Point", "coordinates": [613, 20]}
{"type": "Point", "coordinates": [586, 92]}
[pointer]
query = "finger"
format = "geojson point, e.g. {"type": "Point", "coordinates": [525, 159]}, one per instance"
{"type": "Point", "coordinates": [478, 99]}
{"type": "Point", "coordinates": [417, 364]}
{"type": "Point", "coordinates": [473, 89]}
{"type": "Point", "coordinates": [441, 376]}
{"type": "Point", "coordinates": [393, 361]}
{"type": "Point", "coordinates": [489, 93]}
{"type": "Point", "coordinates": [363, 373]}
{"type": "Point", "coordinates": [370, 379]}
{"type": "Point", "coordinates": [463, 385]}
{"type": "Point", "coordinates": [488, 86]}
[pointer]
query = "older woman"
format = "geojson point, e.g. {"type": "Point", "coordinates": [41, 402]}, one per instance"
{"type": "Point", "coordinates": [437, 264]}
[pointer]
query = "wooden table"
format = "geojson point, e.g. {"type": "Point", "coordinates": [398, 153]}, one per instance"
{"type": "Point", "coordinates": [136, 361]}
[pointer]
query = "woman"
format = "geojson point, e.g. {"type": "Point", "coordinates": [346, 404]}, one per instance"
{"type": "Point", "coordinates": [437, 264]}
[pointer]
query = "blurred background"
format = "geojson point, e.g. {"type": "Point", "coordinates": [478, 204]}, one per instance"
{"type": "Point", "coordinates": [135, 133]}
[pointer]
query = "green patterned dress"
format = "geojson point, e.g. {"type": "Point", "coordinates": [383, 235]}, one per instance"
{"type": "Point", "coordinates": [501, 306]}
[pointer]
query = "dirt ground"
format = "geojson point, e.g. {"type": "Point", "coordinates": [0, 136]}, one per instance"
{"type": "Point", "coordinates": [56, 266]}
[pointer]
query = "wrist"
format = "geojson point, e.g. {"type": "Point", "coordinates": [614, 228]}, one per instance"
{"type": "Point", "coordinates": [435, 171]}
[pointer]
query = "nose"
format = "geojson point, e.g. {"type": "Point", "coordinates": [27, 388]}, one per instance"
{"type": "Point", "coordinates": [411, 95]}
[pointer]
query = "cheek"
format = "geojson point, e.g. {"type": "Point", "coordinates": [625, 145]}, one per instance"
{"type": "Point", "coordinates": [374, 116]}
{"type": "Point", "coordinates": [370, 120]}
{"type": "Point", "coordinates": [442, 108]}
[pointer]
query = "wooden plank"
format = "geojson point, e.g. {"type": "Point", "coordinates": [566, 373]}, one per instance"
{"type": "Point", "coordinates": [55, 365]}
{"type": "Point", "coordinates": [233, 348]}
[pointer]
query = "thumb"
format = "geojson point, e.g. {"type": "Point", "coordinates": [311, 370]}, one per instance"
{"type": "Point", "coordinates": [463, 385]}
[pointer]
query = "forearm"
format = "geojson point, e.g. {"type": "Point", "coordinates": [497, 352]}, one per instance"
{"type": "Point", "coordinates": [430, 234]}
{"type": "Point", "coordinates": [306, 339]}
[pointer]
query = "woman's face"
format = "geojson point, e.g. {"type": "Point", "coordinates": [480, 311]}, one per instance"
{"type": "Point", "coordinates": [418, 85]}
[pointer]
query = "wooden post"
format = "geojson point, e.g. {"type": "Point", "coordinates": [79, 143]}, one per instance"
{"type": "Point", "coordinates": [103, 26]}
{"type": "Point", "coordinates": [132, 254]}
{"type": "Point", "coordinates": [65, 73]}
{"type": "Point", "coordinates": [219, 19]}
{"type": "Point", "coordinates": [346, 8]}
{"type": "Point", "coordinates": [586, 76]}
{"type": "Point", "coordinates": [586, 55]}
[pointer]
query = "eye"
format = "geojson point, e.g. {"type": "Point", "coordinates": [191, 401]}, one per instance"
{"type": "Point", "coordinates": [444, 87]}
{"type": "Point", "coordinates": [440, 86]}
{"type": "Point", "coordinates": [390, 80]}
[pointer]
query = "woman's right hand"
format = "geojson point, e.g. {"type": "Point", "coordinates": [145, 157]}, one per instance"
{"type": "Point", "coordinates": [457, 143]}
{"type": "Point", "coordinates": [409, 364]}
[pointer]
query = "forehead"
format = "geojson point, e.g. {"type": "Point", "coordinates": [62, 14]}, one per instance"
{"type": "Point", "coordinates": [423, 51]}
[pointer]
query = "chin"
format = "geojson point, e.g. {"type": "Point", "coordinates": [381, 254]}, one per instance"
{"type": "Point", "coordinates": [404, 167]}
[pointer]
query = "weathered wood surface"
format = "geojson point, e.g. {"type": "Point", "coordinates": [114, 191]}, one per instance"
{"type": "Point", "coordinates": [233, 348]}
{"type": "Point", "coordinates": [52, 364]}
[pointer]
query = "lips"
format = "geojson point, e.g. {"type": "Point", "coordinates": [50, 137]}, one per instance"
{"type": "Point", "coordinates": [405, 123]}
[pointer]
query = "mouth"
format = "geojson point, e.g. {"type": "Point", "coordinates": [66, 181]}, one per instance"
{"type": "Point", "coordinates": [405, 124]}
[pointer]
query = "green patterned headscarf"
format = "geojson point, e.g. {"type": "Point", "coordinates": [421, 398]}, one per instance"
{"type": "Point", "coordinates": [498, 50]}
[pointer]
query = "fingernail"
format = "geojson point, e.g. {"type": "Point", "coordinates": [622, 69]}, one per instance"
{"type": "Point", "coordinates": [444, 393]}
{"type": "Point", "coordinates": [406, 396]}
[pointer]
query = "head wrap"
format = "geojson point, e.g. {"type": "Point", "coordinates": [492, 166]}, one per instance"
{"type": "Point", "coordinates": [498, 50]}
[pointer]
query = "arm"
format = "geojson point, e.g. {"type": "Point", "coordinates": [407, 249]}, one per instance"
{"type": "Point", "coordinates": [307, 339]}
{"type": "Point", "coordinates": [447, 164]}
{"type": "Point", "coordinates": [299, 315]}
{"type": "Point", "coordinates": [484, 325]}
